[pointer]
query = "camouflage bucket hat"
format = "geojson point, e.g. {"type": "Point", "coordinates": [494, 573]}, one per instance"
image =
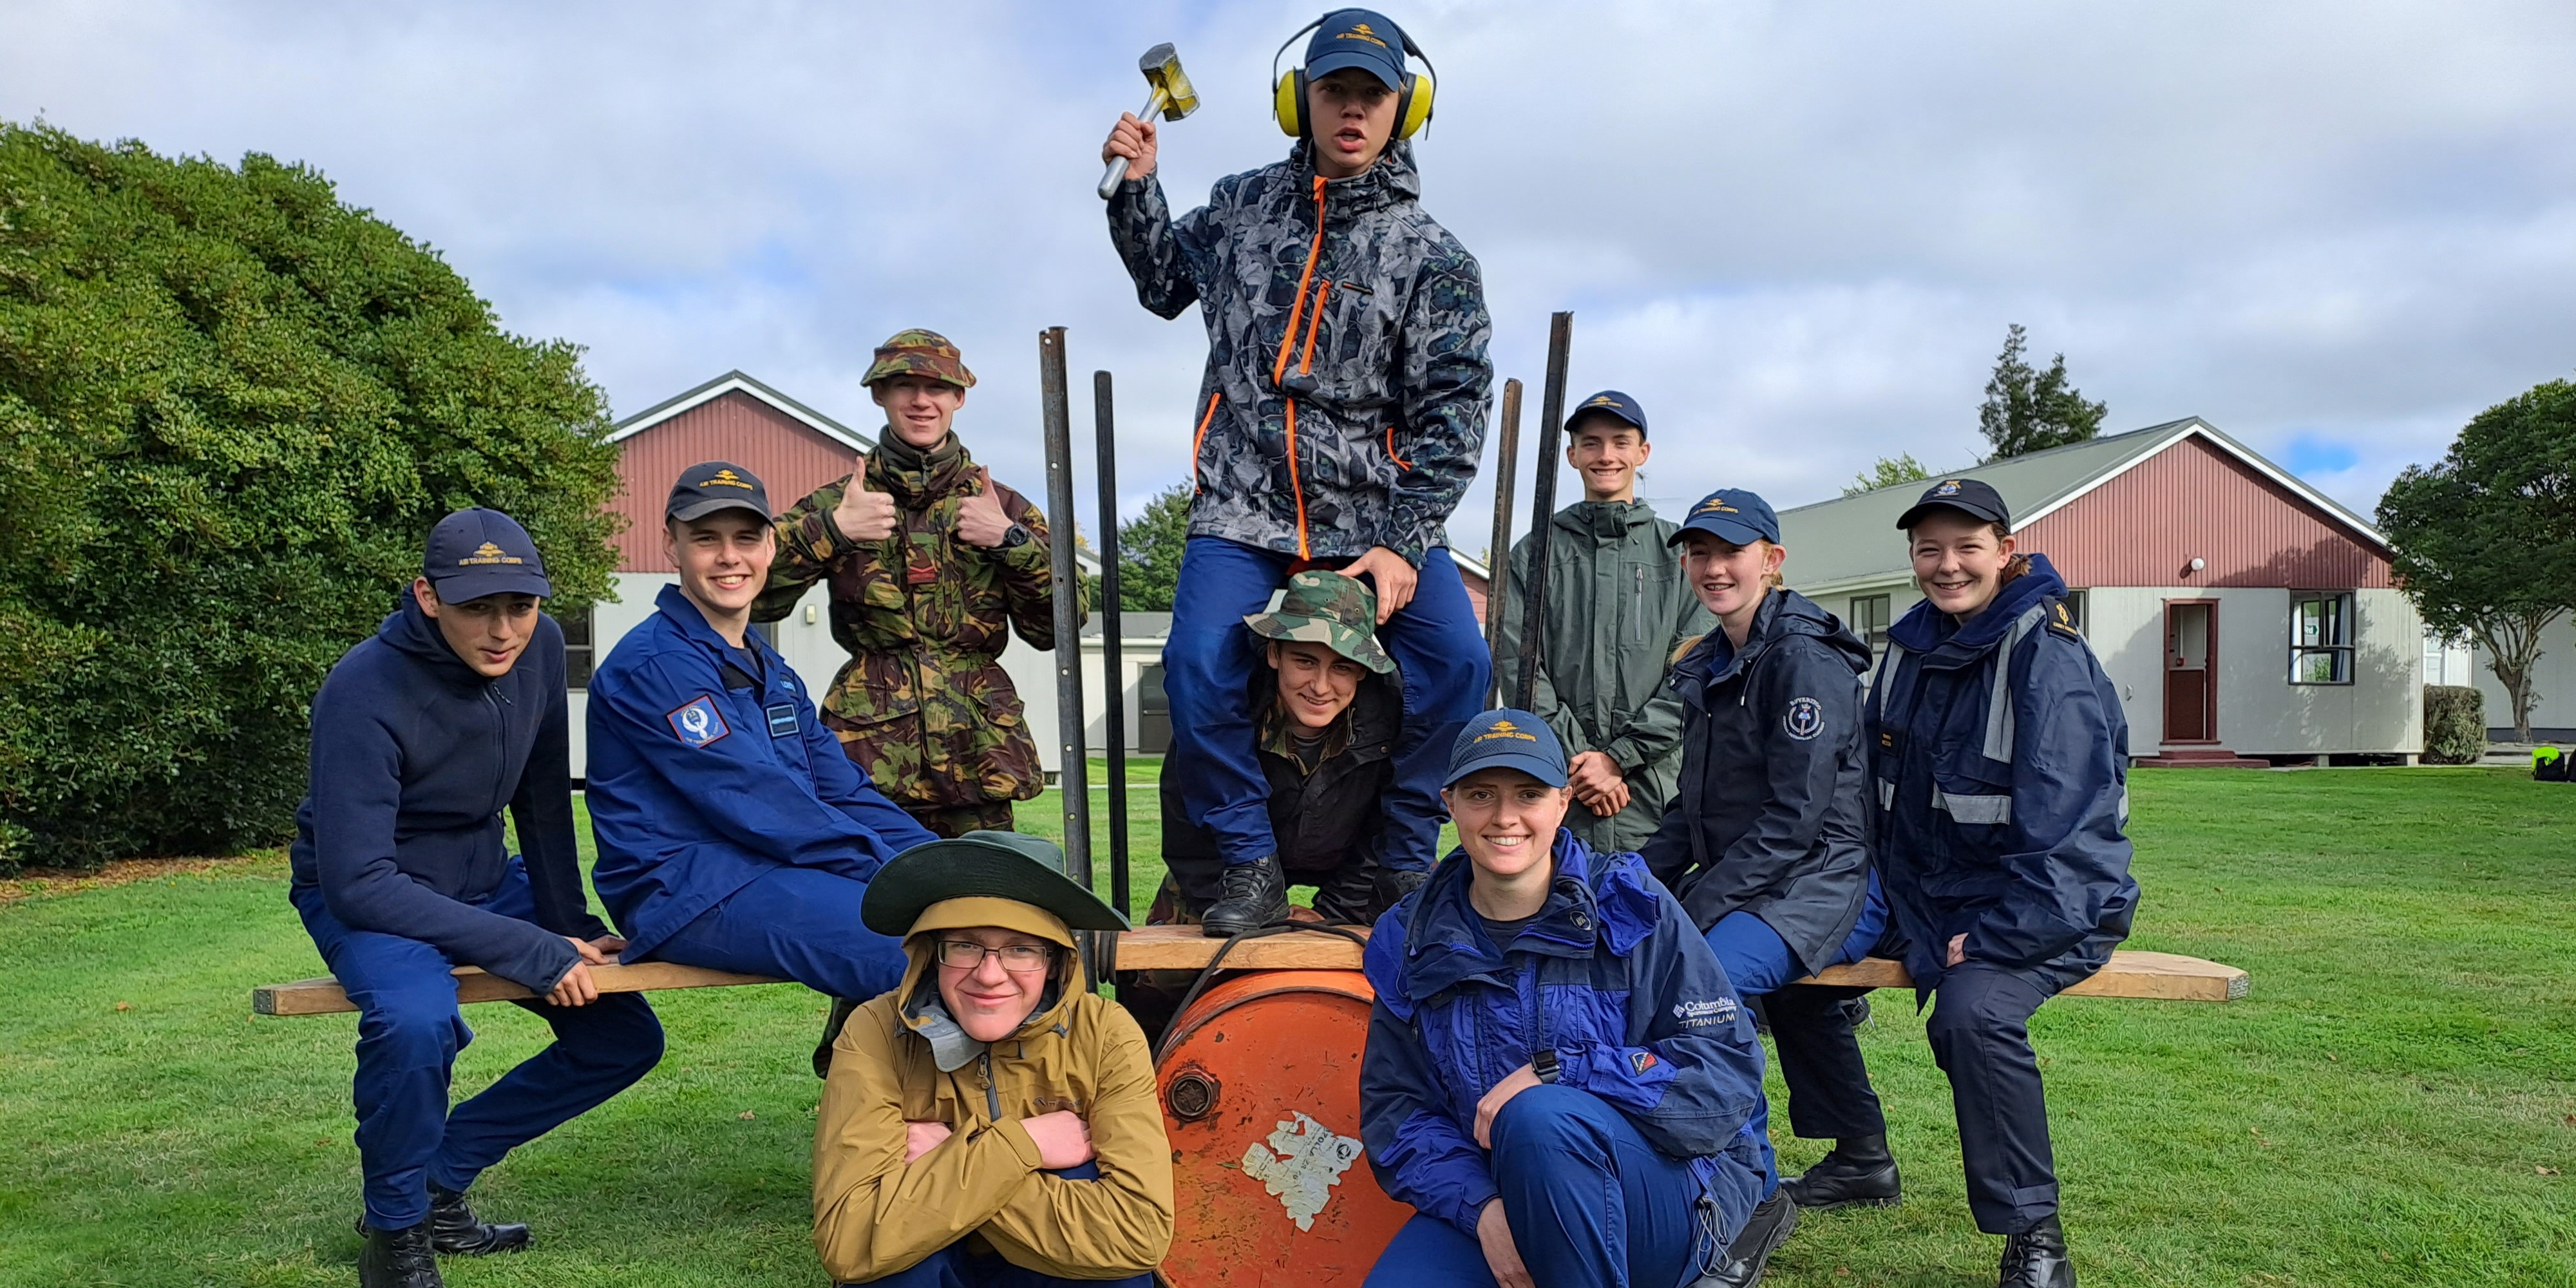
{"type": "Point", "coordinates": [920, 353]}
{"type": "Point", "coordinates": [1330, 609]}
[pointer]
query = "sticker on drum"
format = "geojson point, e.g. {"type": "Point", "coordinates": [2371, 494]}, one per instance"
{"type": "Point", "coordinates": [1309, 1163]}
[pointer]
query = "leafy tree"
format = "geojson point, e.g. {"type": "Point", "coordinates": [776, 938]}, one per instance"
{"type": "Point", "coordinates": [1149, 551]}
{"type": "Point", "coordinates": [2486, 539]}
{"type": "Point", "coordinates": [2028, 411]}
{"type": "Point", "coordinates": [230, 409]}
{"type": "Point", "coordinates": [1888, 473]}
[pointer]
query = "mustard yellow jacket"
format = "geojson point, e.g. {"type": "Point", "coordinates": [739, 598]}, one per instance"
{"type": "Point", "coordinates": [874, 1215]}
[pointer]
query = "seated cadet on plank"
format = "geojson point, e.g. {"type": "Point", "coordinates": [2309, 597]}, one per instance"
{"type": "Point", "coordinates": [733, 831]}
{"type": "Point", "coordinates": [1764, 843]}
{"type": "Point", "coordinates": [1558, 1076]}
{"type": "Point", "coordinates": [991, 1122]}
{"type": "Point", "coordinates": [1617, 614]}
{"type": "Point", "coordinates": [1331, 708]}
{"type": "Point", "coordinates": [421, 735]}
{"type": "Point", "coordinates": [1999, 760]}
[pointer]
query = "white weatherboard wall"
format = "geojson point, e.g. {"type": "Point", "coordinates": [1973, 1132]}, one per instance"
{"type": "Point", "coordinates": [810, 650]}
{"type": "Point", "coordinates": [2260, 713]}
{"type": "Point", "coordinates": [2555, 678]}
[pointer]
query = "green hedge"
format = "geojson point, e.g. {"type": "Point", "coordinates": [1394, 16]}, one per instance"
{"type": "Point", "coordinates": [230, 408]}
{"type": "Point", "coordinates": [2455, 725]}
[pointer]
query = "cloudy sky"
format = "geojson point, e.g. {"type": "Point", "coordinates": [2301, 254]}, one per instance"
{"type": "Point", "coordinates": [1795, 232]}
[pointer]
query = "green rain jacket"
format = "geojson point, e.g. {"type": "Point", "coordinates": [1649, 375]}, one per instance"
{"type": "Point", "coordinates": [1617, 615]}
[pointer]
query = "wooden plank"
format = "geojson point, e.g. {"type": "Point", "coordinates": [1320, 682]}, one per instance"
{"type": "Point", "coordinates": [323, 996]}
{"type": "Point", "coordinates": [2168, 977]}
{"type": "Point", "coordinates": [2161, 976]}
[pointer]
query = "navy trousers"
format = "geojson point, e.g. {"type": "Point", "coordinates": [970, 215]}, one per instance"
{"type": "Point", "coordinates": [1590, 1204]}
{"type": "Point", "coordinates": [1207, 671]}
{"type": "Point", "coordinates": [954, 1267]}
{"type": "Point", "coordinates": [793, 923]}
{"type": "Point", "coordinates": [1758, 962]}
{"type": "Point", "coordinates": [1980, 1034]}
{"type": "Point", "coordinates": [409, 1032]}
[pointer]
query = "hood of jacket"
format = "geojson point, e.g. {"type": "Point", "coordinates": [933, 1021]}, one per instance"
{"type": "Point", "coordinates": [1926, 629]}
{"type": "Point", "coordinates": [412, 633]}
{"type": "Point", "coordinates": [1393, 179]}
{"type": "Point", "coordinates": [926, 1014]}
{"type": "Point", "coordinates": [1784, 613]}
{"type": "Point", "coordinates": [1599, 522]}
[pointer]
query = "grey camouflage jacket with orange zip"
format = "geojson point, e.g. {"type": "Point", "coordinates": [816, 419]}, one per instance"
{"type": "Point", "coordinates": [1347, 379]}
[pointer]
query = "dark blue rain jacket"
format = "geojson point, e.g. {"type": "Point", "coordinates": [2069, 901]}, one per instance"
{"type": "Point", "coordinates": [703, 777]}
{"type": "Point", "coordinates": [1611, 974]}
{"type": "Point", "coordinates": [1999, 766]}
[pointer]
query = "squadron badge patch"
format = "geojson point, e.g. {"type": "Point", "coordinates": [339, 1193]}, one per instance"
{"type": "Point", "coordinates": [699, 723]}
{"type": "Point", "coordinates": [1804, 719]}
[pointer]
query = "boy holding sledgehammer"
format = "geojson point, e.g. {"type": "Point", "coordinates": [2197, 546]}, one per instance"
{"type": "Point", "coordinates": [1340, 418]}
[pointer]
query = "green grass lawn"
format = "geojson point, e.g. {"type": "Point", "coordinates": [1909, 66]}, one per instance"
{"type": "Point", "coordinates": [2393, 1106]}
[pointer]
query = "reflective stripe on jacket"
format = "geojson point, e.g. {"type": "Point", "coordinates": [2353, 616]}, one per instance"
{"type": "Point", "coordinates": [702, 778]}
{"type": "Point", "coordinates": [1347, 378]}
{"type": "Point", "coordinates": [1617, 611]}
{"type": "Point", "coordinates": [1771, 817]}
{"type": "Point", "coordinates": [1611, 974]}
{"type": "Point", "coordinates": [1999, 785]}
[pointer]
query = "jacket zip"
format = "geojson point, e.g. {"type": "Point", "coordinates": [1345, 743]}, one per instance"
{"type": "Point", "coordinates": [1198, 443]}
{"type": "Point", "coordinates": [1287, 343]}
{"type": "Point", "coordinates": [992, 1094]}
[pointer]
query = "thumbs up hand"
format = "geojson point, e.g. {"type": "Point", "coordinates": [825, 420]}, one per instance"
{"type": "Point", "coordinates": [864, 515]}
{"type": "Point", "coordinates": [980, 521]}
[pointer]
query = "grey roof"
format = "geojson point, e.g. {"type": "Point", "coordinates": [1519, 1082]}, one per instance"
{"type": "Point", "coordinates": [1854, 539]}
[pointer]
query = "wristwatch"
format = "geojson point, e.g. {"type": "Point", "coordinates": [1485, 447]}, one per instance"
{"type": "Point", "coordinates": [1018, 536]}
{"type": "Point", "coordinates": [1544, 1065]}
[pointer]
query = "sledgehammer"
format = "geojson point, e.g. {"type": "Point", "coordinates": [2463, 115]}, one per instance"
{"type": "Point", "coordinates": [1172, 97]}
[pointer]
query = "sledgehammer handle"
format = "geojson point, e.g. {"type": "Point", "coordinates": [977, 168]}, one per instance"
{"type": "Point", "coordinates": [1117, 165]}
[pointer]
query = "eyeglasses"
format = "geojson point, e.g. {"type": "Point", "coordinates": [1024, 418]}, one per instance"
{"type": "Point", "coordinates": [960, 954]}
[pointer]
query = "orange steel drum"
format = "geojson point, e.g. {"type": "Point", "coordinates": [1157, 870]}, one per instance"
{"type": "Point", "coordinates": [1261, 1095]}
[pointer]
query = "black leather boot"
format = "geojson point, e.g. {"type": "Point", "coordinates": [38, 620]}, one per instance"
{"type": "Point", "coordinates": [1248, 897]}
{"type": "Point", "coordinates": [1859, 1173]}
{"type": "Point", "coordinates": [454, 1231]}
{"type": "Point", "coordinates": [2036, 1258]}
{"type": "Point", "coordinates": [398, 1259]}
{"type": "Point", "coordinates": [1762, 1235]}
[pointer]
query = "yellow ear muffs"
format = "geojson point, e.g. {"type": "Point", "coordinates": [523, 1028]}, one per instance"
{"type": "Point", "coordinates": [1288, 103]}
{"type": "Point", "coordinates": [1413, 109]}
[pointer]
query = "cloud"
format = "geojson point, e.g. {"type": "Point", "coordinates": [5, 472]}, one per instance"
{"type": "Point", "coordinates": [1795, 232]}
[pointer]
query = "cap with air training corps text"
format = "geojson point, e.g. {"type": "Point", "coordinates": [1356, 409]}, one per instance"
{"type": "Point", "coordinates": [1508, 739]}
{"type": "Point", "coordinates": [473, 553]}
{"type": "Point", "coordinates": [1733, 515]}
{"type": "Point", "coordinates": [1357, 38]}
{"type": "Point", "coordinates": [1610, 403]}
{"type": "Point", "coordinates": [1971, 497]}
{"type": "Point", "coordinates": [710, 486]}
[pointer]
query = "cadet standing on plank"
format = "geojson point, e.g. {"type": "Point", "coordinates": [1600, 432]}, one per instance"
{"type": "Point", "coordinates": [1617, 614]}
{"type": "Point", "coordinates": [1339, 420]}
{"type": "Point", "coordinates": [421, 735]}
{"type": "Point", "coordinates": [931, 566]}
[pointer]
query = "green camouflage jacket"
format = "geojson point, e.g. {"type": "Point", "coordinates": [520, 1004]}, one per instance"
{"type": "Point", "coordinates": [923, 703]}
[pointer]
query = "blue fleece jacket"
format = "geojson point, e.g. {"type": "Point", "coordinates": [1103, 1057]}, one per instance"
{"type": "Point", "coordinates": [413, 757]}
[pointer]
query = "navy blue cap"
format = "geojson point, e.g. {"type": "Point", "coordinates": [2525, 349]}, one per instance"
{"type": "Point", "coordinates": [1969, 496]}
{"type": "Point", "coordinates": [1732, 515]}
{"type": "Point", "coordinates": [473, 553]}
{"type": "Point", "coordinates": [1357, 38]}
{"type": "Point", "coordinates": [1609, 402]}
{"type": "Point", "coordinates": [710, 486]}
{"type": "Point", "coordinates": [1508, 739]}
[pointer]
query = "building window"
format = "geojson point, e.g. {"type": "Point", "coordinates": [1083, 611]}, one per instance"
{"type": "Point", "coordinates": [2075, 607]}
{"type": "Point", "coordinates": [1869, 621]}
{"type": "Point", "coordinates": [576, 633]}
{"type": "Point", "coordinates": [2320, 637]}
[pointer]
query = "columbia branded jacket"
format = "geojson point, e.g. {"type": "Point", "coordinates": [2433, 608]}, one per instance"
{"type": "Point", "coordinates": [874, 1214]}
{"type": "Point", "coordinates": [1617, 611]}
{"type": "Point", "coordinates": [414, 756]}
{"type": "Point", "coordinates": [703, 777]}
{"type": "Point", "coordinates": [1347, 380]}
{"type": "Point", "coordinates": [1611, 974]}
{"type": "Point", "coordinates": [1771, 816]}
{"type": "Point", "coordinates": [1999, 783]}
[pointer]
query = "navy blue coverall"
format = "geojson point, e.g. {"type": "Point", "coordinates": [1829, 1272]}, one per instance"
{"type": "Point", "coordinates": [400, 875]}
{"type": "Point", "coordinates": [1640, 1163]}
{"type": "Point", "coordinates": [1999, 790]}
{"type": "Point", "coordinates": [734, 833]}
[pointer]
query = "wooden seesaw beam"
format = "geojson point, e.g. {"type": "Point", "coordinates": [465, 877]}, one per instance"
{"type": "Point", "coordinates": [2161, 976]}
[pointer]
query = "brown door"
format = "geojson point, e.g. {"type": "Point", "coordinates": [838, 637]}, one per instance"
{"type": "Point", "coordinates": [2191, 681]}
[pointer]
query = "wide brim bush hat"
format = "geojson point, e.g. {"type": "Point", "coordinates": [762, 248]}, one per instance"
{"type": "Point", "coordinates": [956, 883]}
